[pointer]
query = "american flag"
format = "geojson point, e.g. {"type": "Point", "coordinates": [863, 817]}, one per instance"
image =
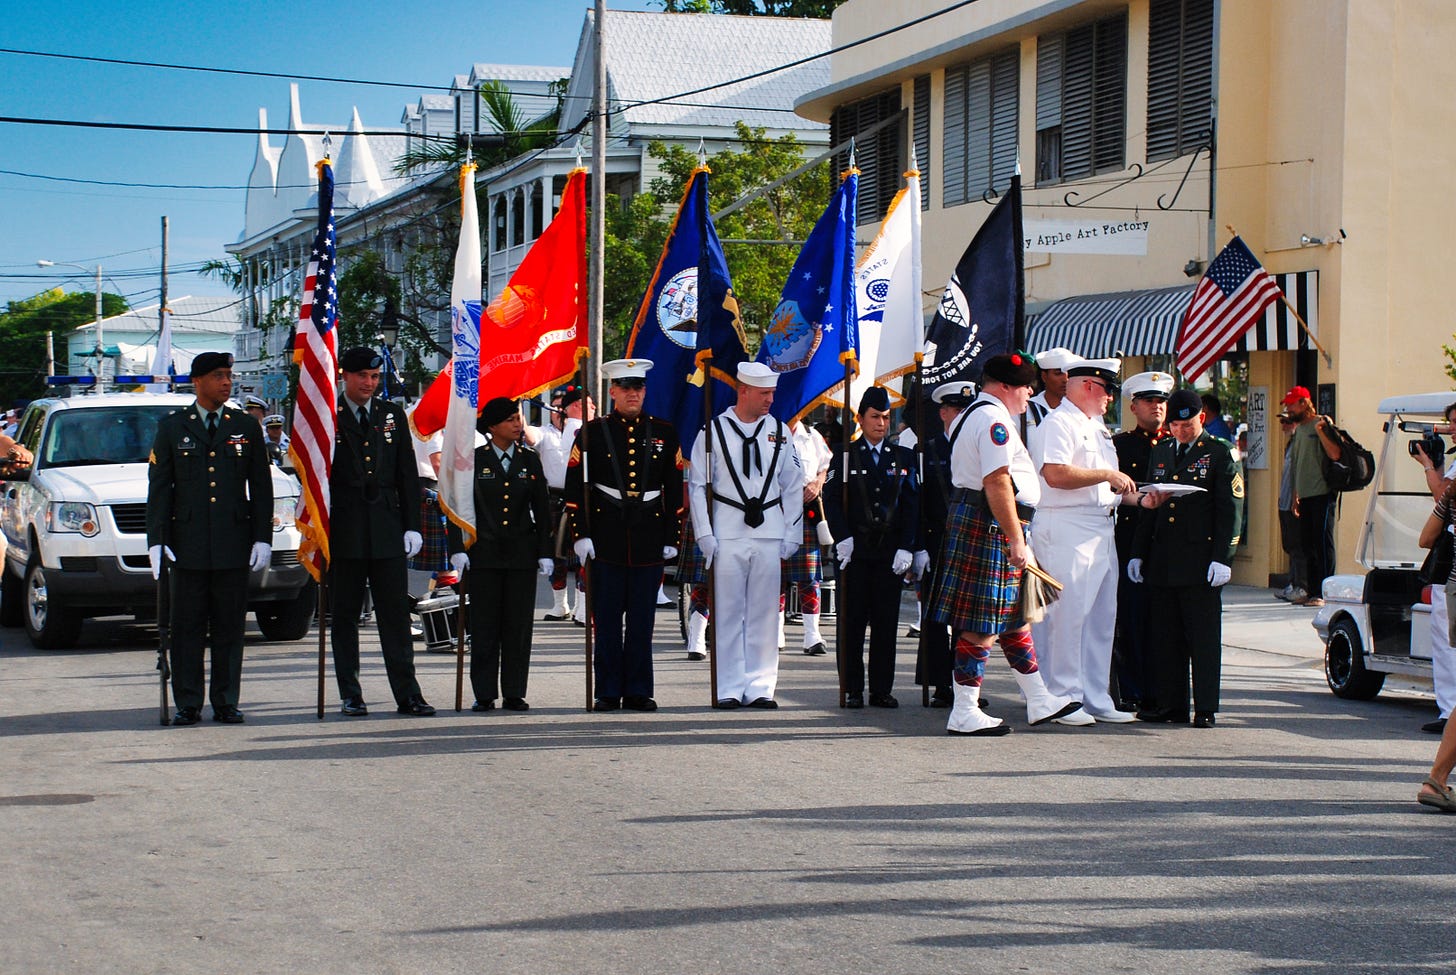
{"type": "Point", "coordinates": [1232, 296]}
{"type": "Point", "coordinates": [314, 351]}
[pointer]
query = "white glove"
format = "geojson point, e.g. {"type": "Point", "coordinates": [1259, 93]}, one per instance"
{"type": "Point", "coordinates": [546, 566]}
{"type": "Point", "coordinates": [900, 564]}
{"type": "Point", "coordinates": [922, 560]}
{"type": "Point", "coordinates": [262, 552]}
{"type": "Point", "coordinates": [668, 553]}
{"type": "Point", "coordinates": [1218, 574]}
{"type": "Point", "coordinates": [708, 545]}
{"type": "Point", "coordinates": [413, 542]}
{"type": "Point", "coordinates": [787, 548]}
{"type": "Point", "coordinates": [459, 561]}
{"type": "Point", "coordinates": [584, 550]}
{"type": "Point", "coordinates": [845, 551]}
{"type": "Point", "coordinates": [1135, 570]}
{"type": "Point", "coordinates": [154, 556]}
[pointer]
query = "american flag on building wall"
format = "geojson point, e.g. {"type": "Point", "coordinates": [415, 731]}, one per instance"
{"type": "Point", "coordinates": [1232, 296]}
{"type": "Point", "coordinates": [314, 405]}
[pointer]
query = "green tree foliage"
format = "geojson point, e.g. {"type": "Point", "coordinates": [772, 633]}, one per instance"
{"type": "Point", "coordinates": [752, 8]}
{"type": "Point", "coordinates": [23, 327]}
{"type": "Point", "coordinates": [512, 133]}
{"type": "Point", "coordinates": [759, 265]}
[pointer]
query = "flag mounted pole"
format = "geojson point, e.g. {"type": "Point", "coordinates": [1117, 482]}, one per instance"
{"type": "Point", "coordinates": [589, 631]}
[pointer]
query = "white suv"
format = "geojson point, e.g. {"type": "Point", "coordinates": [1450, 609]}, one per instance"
{"type": "Point", "coordinates": [76, 524]}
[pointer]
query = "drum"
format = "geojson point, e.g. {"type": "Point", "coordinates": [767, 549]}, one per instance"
{"type": "Point", "coordinates": [438, 617]}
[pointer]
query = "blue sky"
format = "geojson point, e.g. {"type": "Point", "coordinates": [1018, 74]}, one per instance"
{"type": "Point", "coordinates": [423, 42]}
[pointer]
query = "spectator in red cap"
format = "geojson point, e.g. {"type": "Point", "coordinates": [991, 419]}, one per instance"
{"type": "Point", "coordinates": [1313, 499]}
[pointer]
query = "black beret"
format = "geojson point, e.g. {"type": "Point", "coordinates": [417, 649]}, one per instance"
{"type": "Point", "coordinates": [205, 362]}
{"type": "Point", "coordinates": [359, 358]}
{"type": "Point", "coordinates": [1014, 369]}
{"type": "Point", "coordinates": [874, 398]}
{"type": "Point", "coordinates": [1185, 404]}
{"type": "Point", "coordinates": [497, 410]}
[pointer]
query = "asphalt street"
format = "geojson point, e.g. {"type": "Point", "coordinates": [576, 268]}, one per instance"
{"type": "Point", "coordinates": [806, 840]}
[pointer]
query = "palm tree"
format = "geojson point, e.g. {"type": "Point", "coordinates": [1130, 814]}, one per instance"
{"type": "Point", "coordinates": [513, 134]}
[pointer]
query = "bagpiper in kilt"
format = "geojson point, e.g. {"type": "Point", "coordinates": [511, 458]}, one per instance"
{"type": "Point", "coordinates": [985, 549]}
{"type": "Point", "coordinates": [803, 567]}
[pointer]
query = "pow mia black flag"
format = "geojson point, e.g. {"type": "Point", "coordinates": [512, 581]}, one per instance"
{"type": "Point", "coordinates": [981, 313]}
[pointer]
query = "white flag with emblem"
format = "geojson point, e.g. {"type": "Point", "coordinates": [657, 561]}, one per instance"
{"type": "Point", "coordinates": [457, 449]}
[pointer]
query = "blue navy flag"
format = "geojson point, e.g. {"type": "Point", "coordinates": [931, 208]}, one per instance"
{"type": "Point", "coordinates": [815, 330]}
{"type": "Point", "coordinates": [679, 322]}
{"type": "Point", "coordinates": [983, 309]}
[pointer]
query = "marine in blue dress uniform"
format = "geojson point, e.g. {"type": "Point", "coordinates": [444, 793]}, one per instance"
{"type": "Point", "coordinates": [872, 502]}
{"type": "Point", "coordinates": [628, 467]}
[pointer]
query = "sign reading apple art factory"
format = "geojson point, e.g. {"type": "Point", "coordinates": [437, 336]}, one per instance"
{"type": "Point", "coordinates": [1126, 237]}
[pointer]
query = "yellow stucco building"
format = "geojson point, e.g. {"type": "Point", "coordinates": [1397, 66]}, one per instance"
{"type": "Point", "coordinates": [1319, 129]}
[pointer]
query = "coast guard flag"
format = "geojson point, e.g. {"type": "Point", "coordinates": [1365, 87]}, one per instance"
{"type": "Point", "coordinates": [814, 330]}
{"type": "Point", "coordinates": [679, 323]}
{"type": "Point", "coordinates": [982, 310]}
{"type": "Point", "coordinates": [457, 452]}
{"type": "Point", "coordinates": [1232, 296]}
{"type": "Point", "coordinates": [887, 295]}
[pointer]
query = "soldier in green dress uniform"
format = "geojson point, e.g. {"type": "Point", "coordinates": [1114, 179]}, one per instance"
{"type": "Point", "coordinates": [210, 512]}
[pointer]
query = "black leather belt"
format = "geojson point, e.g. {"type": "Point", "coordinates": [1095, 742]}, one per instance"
{"type": "Point", "coordinates": [977, 497]}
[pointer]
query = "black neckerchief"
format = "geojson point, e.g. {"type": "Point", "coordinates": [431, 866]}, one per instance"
{"type": "Point", "coordinates": [752, 508]}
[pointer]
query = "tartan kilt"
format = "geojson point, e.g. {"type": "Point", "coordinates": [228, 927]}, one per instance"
{"type": "Point", "coordinates": [977, 589]}
{"type": "Point", "coordinates": [692, 567]}
{"type": "Point", "coordinates": [434, 555]}
{"type": "Point", "coordinates": [803, 566]}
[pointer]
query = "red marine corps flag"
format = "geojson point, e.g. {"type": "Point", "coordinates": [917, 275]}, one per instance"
{"type": "Point", "coordinates": [534, 332]}
{"type": "Point", "coordinates": [1232, 296]}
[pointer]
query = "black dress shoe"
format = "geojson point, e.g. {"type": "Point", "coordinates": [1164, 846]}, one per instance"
{"type": "Point", "coordinates": [186, 716]}
{"type": "Point", "coordinates": [1203, 719]}
{"type": "Point", "coordinates": [817, 650]}
{"type": "Point", "coordinates": [883, 701]}
{"type": "Point", "coordinates": [1163, 716]}
{"type": "Point", "coordinates": [942, 698]}
{"type": "Point", "coordinates": [416, 706]}
{"type": "Point", "coordinates": [515, 704]}
{"type": "Point", "coordinates": [854, 700]}
{"type": "Point", "coordinates": [354, 707]}
{"type": "Point", "coordinates": [483, 705]}
{"type": "Point", "coordinates": [606, 704]}
{"type": "Point", "coordinates": [639, 702]}
{"type": "Point", "coordinates": [227, 715]}
{"type": "Point", "coordinates": [1434, 727]}
{"type": "Point", "coordinates": [763, 703]}
{"type": "Point", "coordinates": [728, 704]}
{"type": "Point", "coordinates": [697, 655]}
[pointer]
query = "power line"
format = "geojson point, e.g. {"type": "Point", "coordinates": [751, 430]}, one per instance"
{"type": "Point", "coordinates": [233, 130]}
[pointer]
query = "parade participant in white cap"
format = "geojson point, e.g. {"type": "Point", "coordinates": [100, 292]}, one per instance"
{"type": "Point", "coordinates": [1072, 539]}
{"type": "Point", "coordinates": [978, 588]}
{"type": "Point", "coordinates": [936, 653]}
{"type": "Point", "coordinates": [632, 479]}
{"type": "Point", "coordinates": [1147, 395]}
{"type": "Point", "coordinates": [1052, 367]}
{"type": "Point", "coordinates": [754, 524]}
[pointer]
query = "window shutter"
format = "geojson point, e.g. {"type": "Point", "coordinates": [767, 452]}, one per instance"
{"type": "Point", "coordinates": [1180, 76]}
{"type": "Point", "coordinates": [1077, 65]}
{"type": "Point", "coordinates": [978, 129]}
{"type": "Point", "coordinates": [922, 137]}
{"type": "Point", "coordinates": [1109, 94]}
{"type": "Point", "coordinates": [1005, 81]}
{"type": "Point", "coordinates": [1196, 115]}
{"type": "Point", "coordinates": [954, 151]}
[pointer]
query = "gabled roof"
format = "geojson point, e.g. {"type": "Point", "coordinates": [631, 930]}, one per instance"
{"type": "Point", "coordinates": [189, 314]}
{"type": "Point", "coordinates": [482, 71]}
{"type": "Point", "coordinates": [651, 55]}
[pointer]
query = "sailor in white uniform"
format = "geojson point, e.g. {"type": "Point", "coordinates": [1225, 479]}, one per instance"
{"type": "Point", "coordinates": [756, 522]}
{"type": "Point", "coordinates": [1072, 539]}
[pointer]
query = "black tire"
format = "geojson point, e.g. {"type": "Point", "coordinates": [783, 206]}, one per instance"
{"type": "Point", "coordinates": [287, 620]}
{"type": "Point", "coordinates": [1345, 664]}
{"type": "Point", "coordinates": [49, 622]}
{"type": "Point", "coordinates": [12, 598]}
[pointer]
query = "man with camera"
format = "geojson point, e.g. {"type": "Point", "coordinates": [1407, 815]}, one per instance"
{"type": "Point", "coordinates": [1440, 468]}
{"type": "Point", "coordinates": [1313, 498]}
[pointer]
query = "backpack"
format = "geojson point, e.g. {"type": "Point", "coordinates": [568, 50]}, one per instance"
{"type": "Point", "coordinates": [1356, 467]}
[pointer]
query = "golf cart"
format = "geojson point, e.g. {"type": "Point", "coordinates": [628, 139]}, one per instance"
{"type": "Point", "coordinates": [1378, 622]}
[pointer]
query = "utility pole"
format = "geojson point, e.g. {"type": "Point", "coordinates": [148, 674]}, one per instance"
{"type": "Point", "coordinates": [100, 346]}
{"type": "Point", "coordinates": [598, 200]}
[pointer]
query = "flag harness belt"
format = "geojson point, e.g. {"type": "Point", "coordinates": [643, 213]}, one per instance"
{"type": "Point", "coordinates": [752, 508]}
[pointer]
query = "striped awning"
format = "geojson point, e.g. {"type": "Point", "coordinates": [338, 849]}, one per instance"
{"type": "Point", "coordinates": [1127, 323]}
